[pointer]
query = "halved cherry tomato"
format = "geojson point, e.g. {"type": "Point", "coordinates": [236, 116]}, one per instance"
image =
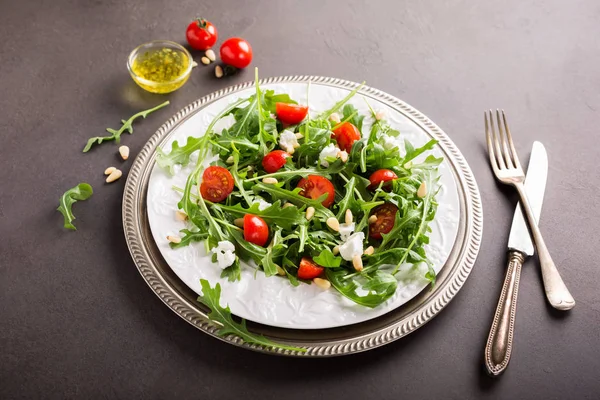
{"type": "Point", "coordinates": [201, 34]}
{"type": "Point", "coordinates": [382, 175]}
{"type": "Point", "coordinates": [273, 161]}
{"type": "Point", "coordinates": [309, 269]}
{"type": "Point", "coordinates": [256, 229]}
{"type": "Point", "coordinates": [291, 113]}
{"type": "Point", "coordinates": [314, 186]}
{"type": "Point", "coordinates": [345, 135]}
{"type": "Point", "coordinates": [236, 52]}
{"type": "Point", "coordinates": [386, 216]}
{"type": "Point", "coordinates": [217, 184]}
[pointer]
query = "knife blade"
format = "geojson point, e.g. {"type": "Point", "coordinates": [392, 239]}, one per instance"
{"type": "Point", "coordinates": [535, 186]}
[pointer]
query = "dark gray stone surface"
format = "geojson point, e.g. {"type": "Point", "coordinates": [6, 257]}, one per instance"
{"type": "Point", "coordinates": [77, 320]}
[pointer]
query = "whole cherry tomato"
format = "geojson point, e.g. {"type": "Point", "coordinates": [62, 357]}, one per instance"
{"type": "Point", "coordinates": [309, 269]}
{"type": "Point", "coordinates": [382, 175]}
{"type": "Point", "coordinates": [201, 34]}
{"type": "Point", "coordinates": [345, 135]}
{"type": "Point", "coordinates": [291, 114]}
{"type": "Point", "coordinates": [217, 184]}
{"type": "Point", "coordinates": [386, 217]}
{"type": "Point", "coordinates": [256, 229]}
{"type": "Point", "coordinates": [273, 161]}
{"type": "Point", "coordinates": [236, 52]}
{"type": "Point", "coordinates": [314, 186]}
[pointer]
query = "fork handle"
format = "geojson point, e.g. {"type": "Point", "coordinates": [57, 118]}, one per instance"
{"type": "Point", "coordinates": [556, 291]}
{"type": "Point", "coordinates": [499, 343]}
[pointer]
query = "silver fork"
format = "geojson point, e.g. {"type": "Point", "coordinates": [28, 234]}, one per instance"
{"type": "Point", "coordinates": [507, 168]}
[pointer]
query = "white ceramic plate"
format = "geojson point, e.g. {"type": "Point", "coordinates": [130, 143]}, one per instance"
{"type": "Point", "coordinates": [273, 301]}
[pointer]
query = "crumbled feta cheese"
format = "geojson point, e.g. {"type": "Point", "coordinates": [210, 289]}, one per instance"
{"type": "Point", "coordinates": [262, 204]}
{"type": "Point", "coordinates": [288, 140]}
{"type": "Point", "coordinates": [330, 150]}
{"type": "Point", "coordinates": [346, 230]}
{"type": "Point", "coordinates": [353, 246]}
{"type": "Point", "coordinates": [390, 142]}
{"type": "Point", "coordinates": [225, 253]}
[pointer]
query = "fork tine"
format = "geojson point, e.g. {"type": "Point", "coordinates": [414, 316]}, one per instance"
{"type": "Point", "coordinates": [499, 157]}
{"type": "Point", "coordinates": [510, 142]}
{"type": "Point", "coordinates": [505, 152]}
{"type": "Point", "coordinates": [491, 153]}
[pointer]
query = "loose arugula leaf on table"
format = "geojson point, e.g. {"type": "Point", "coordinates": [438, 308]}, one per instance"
{"type": "Point", "coordinates": [81, 192]}
{"type": "Point", "coordinates": [228, 326]}
{"type": "Point", "coordinates": [127, 126]}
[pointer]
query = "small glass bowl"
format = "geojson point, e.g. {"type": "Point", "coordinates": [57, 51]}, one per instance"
{"type": "Point", "coordinates": [160, 87]}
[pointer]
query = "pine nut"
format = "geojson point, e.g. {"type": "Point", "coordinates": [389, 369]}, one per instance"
{"type": "Point", "coordinates": [372, 219]}
{"type": "Point", "coordinates": [180, 215]}
{"type": "Point", "coordinates": [270, 181]}
{"type": "Point", "coordinates": [336, 250]}
{"type": "Point", "coordinates": [109, 170]}
{"type": "Point", "coordinates": [229, 160]}
{"type": "Point", "coordinates": [286, 205]}
{"type": "Point", "coordinates": [124, 152]}
{"type": "Point", "coordinates": [422, 192]}
{"type": "Point", "coordinates": [296, 145]}
{"type": "Point", "coordinates": [349, 217]}
{"type": "Point", "coordinates": [239, 222]}
{"type": "Point", "coordinates": [218, 71]}
{"type": "Point", "coordinates": [280, 270]}
{"type": "Point", "coordinates": [174, 239]}
{"type": "Point", "coordinates": [310, 212]}
{"type": "Point", "coordinates": [357, 262]}
{"type": "Point", "coordinates": [210, 54]}
{"type": "Point", "coordinates": [322, 283]}
{"type": "Point", "coordinates": [343, 156]}
{"type": "Point", "coordinates": [333, 223]}
{"type": "Point", "coordinates": [408, 165]}
{"type": "Point", "coordinates": [299, 135]}
{"type": "Point", "coordinates": [116, 174]}
{"type": "Point", "coordinates": [335, 117]}
{"type": "Point", "coordinates": [205, 60]}
{"type": "Point", "coordinates": [380, 115]}
{"type": "Point", "coordinates": [369, 251]}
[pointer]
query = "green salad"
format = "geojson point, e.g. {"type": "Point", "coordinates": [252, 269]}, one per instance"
{"type": "Point", "coordinates": [308, 199]}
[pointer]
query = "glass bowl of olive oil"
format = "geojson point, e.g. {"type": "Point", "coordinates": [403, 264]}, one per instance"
{"type": "Point", "coordinates": [160, 66]}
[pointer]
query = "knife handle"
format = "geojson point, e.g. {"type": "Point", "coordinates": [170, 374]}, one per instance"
{"type": "Point", "coordinates": [499, 343]}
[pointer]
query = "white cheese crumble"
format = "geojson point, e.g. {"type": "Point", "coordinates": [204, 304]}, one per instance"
{"type": "Point", "coordinates": [225, 253]}
{"type": "Point", "coordinates": [346, 230]}
{"type": "Point", "coordinates": [288, 140]}
{"type": "Point", "coordinates": [353, 246]}
{"type": "Point", "coordinates": [262, 204]}
{"type": "Point", "coordinates": [390, 142]}
{"type": "Point", "coordinates": [330, 150]}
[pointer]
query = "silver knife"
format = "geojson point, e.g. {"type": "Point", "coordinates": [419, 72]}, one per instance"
{"type": "Point", "coordinates": [520, 246]}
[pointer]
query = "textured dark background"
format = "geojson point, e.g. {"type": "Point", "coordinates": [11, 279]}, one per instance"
{"type": "Point", "coordinates": [77, 320]}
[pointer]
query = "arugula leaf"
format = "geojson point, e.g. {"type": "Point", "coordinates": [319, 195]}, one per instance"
{"type": "Point", "coordinates": [412, 153]}
{"type": "Point", "coordinates": [294, 197]}
{"type": "Point", "coordinates": [339, 104]}
{"type": "Point", "coordinates": [327, 259]}
{"type": "Point", "coordinates": [228, 326]}
{"type": "Point", "coordinates": [379, 288]}
{"type": "Point", "coordinates": [273, 215]}
{"type": "Point", "coordinates": [178, 155]}
{"type": "Point", "coordinates": [351, 114]}
{"type": "Point", "coordinates": [127, 126]}
{"type": "Point", "coordinates": [81, 192]}
{"type": "Point", "coordinates": [349, 200]}
{"type": "Point", "coordinates": [189, 237]}
{"type": "Point", "coordinates": [270, 99]}
{"type": "Point", "coordinates": [334, 168]}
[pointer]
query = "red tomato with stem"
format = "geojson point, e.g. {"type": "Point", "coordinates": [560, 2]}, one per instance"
{"type": "Point", "coordinates": [217, 184]}
{"type": "Point", "coordinates": [273, 161]}
{"type": "Point", "coordinates": [386, 217]}
{"type": "Point", "coordinates": [291, 114]}
{"type": "Point", "coordinates": [236, 52]}
{"type": "Point", "coordinates": [382, 175]}
{"type": "Point", "coordinates": [345, 135]}
{"type": "Point", "coordinates": [256, 230]}
{"type": "Point", "coordinates": [309, 269]}
{"type": "Point", "coordinates": [314, 186]}
{"type": "Point", "coordinates": [201, 34]}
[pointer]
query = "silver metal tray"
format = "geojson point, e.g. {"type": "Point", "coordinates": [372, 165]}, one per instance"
{"type": "Point", "coordinates": [322, 342]}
